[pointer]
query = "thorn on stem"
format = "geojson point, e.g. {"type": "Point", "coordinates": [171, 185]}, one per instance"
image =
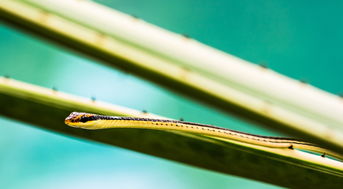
{"type": "Point", "coordinates": [134, 16]}
{"type": "Point", "coordinates": [144, 111]}
{"type": "Point", "coordinates": [93, 98]}
{"type": "Point", "coordinates": [263, 65]}
{"type": "Point", "coordinates": [303, 81]}
{"type": "Point", "coordinates": [291, 147]}
{"type": "Point", "coordinates": [186, 36]}
{"type": "Point", "coordinates": [181, 119]}
{"type": "Point", "coordinates": [323, 155]}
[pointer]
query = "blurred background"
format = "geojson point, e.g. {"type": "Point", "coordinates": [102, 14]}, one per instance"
{"type": "Point", "coordinates": [301, 39]}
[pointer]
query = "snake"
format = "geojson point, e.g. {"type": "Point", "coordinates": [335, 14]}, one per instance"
{"type": "Point", "coordinates": [92, 121]}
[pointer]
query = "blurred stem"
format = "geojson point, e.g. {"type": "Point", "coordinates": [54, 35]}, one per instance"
{"type": "Point", "coordinates": [48, 108]}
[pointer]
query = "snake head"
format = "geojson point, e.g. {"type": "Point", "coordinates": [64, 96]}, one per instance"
{"type": "Point", "coordinates": [77, 118]}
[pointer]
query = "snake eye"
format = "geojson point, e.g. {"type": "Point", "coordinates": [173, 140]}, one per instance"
{"type": "Point", "coordinates": [84, 119]}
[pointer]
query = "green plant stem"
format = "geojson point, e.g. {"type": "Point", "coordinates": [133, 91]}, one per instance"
{"type": "Point", "coordinates": [47, 109]}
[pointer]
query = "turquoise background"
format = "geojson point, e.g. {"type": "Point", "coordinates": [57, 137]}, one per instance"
{"type": "Point", "coordinates": [301, 39]}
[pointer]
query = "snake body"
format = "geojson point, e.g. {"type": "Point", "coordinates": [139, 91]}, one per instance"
{"type": "Point", "coordinates": [95, 121]}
